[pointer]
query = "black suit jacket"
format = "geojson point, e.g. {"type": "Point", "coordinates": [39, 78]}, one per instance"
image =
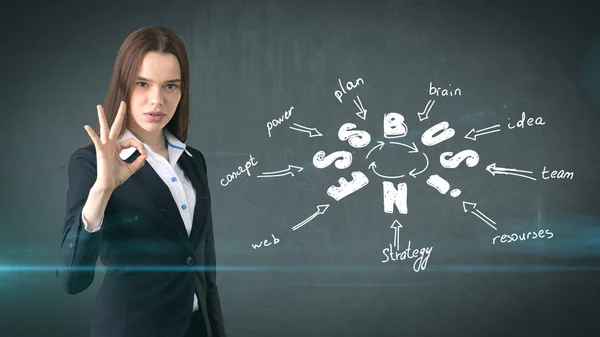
{"type": "Point", "coordinates": [153, 266]}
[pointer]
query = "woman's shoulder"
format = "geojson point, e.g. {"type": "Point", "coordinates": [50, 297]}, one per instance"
{"type": "Point", "coordinates": [86, 151]}
{"type": "Point", "coordinates": [196, 154]}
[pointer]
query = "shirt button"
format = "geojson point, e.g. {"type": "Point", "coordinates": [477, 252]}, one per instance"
{"type": "Point", "coordinates": [183, 206]}
{"type": "Point", "coordinates": [71, 245]}
{"type": "Point", "coordinates": [173, 179]}
{"type": "Point", "coordinates": [190, 260]}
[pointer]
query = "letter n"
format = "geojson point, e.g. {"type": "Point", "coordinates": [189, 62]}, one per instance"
{"type": "Point", "coordinates": [392, 196]}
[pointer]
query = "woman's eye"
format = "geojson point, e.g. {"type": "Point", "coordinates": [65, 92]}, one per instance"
{"type": "Point", "coordinates": [169, 86]}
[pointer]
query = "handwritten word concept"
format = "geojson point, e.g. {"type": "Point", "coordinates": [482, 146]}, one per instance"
{"type": "Point", "coordinates": [266, 242]}
{"type": "Point", "coordinates": [530, 122]}
{"type": "Point", "coordinates": [514, 237]}
{"type": "Point", "coordinates": [270, 125]}
{"type": "Point", "coordinates": [233, 175]}
{"type": "Point", "coordinates": [349, 86]}
{"type": "Point", "coordinates": [438, 91]}
{"type": "Point", "coordinates": [557, 174]}
{"type": "Point", "coordinates": [421, 256]}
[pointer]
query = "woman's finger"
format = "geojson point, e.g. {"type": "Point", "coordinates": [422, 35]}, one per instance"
{"type": "Point", "coordinates": [127, 143]}
{"type": "Point", "coordinates": [116, 127]}
{"type": "Point", "coordinates": [137, 163]}
{"type": "Point", "coordinates": [103, 124]}
{"type": "Point", "coordinates": [93, 136]}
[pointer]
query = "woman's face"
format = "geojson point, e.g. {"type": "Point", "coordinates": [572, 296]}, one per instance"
{"type": "Point", "coordinates": [157, 90]}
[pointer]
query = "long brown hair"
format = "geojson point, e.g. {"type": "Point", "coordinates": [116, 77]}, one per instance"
{"type": "Point", "coordinates": [125, 71]}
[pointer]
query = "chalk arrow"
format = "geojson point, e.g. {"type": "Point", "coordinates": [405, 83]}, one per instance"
{"type": "Point", "coordinates": [281, 173]}
{"type": "Point", "coordinates": [414, 174]}
{"type": "Point", "coordinates": [472, 208]}
{"type": "Point", "coordinates": [378, 146]}
{"type": "Point", "coordinates": [491, 168]}
{"type": "Point", "coordinates": [473, 134]}
{"type": "Point", "coordinates": [396, 227]}
{"type": "Point", "coordinates": [372, 167]}
{"type": "Point", "coordinates": [313, 132]}
{"type": "Point", "coordinates": [413, 147]}
{"type": "Point", "coordinates": [425, 114]}
{"type": "Point", "coordinates": [320, 210]}
{"type": "Point", "coordinates": [362, 112]}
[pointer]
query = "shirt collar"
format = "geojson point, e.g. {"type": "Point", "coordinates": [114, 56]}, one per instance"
{"type": "Point", "coordinates": [175, 146]}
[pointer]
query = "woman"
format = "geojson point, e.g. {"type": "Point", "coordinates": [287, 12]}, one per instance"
{"type": "Point", "coordinates": [138, 198]}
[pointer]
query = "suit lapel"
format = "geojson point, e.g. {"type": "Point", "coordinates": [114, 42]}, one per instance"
{"type": "Point", "coordinates": [194, 171]}
{"type": "Point", "coordinates": [161, 193]}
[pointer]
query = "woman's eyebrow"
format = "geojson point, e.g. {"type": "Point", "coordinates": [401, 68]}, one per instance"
{"type": "Point", "coordinates": [149, 80]}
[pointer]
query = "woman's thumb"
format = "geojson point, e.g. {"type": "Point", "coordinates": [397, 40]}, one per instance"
{"type": "Point", "coordinates": [138, 163]}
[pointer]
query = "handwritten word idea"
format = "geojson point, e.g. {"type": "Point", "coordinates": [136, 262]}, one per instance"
{"type": "Point", "coordinates": [233, 175]}
{"type": "Point", "coordinates": [266, 242]}
{"type": "Point", "coordinates": [438, 91]}
{"type": "Point", "coordinates": [349, 86]}
{"type": "Point", "coordinates": [421, 256]}
{"type": "Point", "coordinates": [530, 122]}
{"type": "Point", "coordinates": [514, 237]}
{"type": "Point", "coordinates": [557, 174]}
{"type": "Point", "coordinates": [286, 115]}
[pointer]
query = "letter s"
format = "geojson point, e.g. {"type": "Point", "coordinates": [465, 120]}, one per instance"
{"type": "Point", "coordinates": [548, 232]}
{"type": "Point", "coordinates": [356, 138]}
{"type": "Point", "coordinates": [385, 254]}
{"type": "Point", "coordinates": [342, 159]}
{"type": "Point", "coordinates": [470, 156]}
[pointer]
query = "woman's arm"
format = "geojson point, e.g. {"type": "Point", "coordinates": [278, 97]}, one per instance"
{"type": "Point", "coordinates": [215, 314]}
{"type": "Point", "coordinates": [79, 248]}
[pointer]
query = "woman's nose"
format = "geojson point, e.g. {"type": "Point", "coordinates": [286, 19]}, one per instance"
{"type": "Point", "coordinates": [156, 96]}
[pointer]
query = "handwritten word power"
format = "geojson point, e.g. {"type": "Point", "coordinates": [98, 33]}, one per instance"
{"type": "Point", "coordinates": [275, 122]}
{"type": "Point", "coordinates": [233, 175]}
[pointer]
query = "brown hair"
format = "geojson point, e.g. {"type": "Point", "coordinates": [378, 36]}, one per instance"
{"type": "Point", "coordinates": [125, 71]}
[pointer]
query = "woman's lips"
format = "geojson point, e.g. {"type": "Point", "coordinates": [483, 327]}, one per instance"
{"type": "Point", "coordinates": [154, 118]}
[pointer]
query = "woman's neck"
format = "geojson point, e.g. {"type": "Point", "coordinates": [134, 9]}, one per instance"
{"type": "Point", "coordinates": [156, 141]}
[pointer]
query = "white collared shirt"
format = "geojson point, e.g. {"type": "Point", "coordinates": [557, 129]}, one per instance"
{"type": "Point", "coordinates": [171, 174]}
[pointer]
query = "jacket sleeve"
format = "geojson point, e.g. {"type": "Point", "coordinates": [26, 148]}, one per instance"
{"type": "Point", "coordinates": [79, 248]}
{"type": "Point", "coordinates": [215, 314]}
{"type": "Point", "coordinates": [85, 225]}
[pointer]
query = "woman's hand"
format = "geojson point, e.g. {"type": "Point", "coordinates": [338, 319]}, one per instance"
{"type": "Point", "coordinates": [112, 171]}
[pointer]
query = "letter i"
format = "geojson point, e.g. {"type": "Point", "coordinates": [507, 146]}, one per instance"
{"type": "Point", "coordinates": [442, 185]}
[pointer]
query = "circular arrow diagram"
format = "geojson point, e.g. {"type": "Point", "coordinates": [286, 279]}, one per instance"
{"type": "Point", "coordinates": [413, 149]}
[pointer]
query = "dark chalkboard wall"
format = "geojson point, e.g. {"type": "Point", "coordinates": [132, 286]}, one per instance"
{"type": "Point", "coordinates": [498, 101]}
